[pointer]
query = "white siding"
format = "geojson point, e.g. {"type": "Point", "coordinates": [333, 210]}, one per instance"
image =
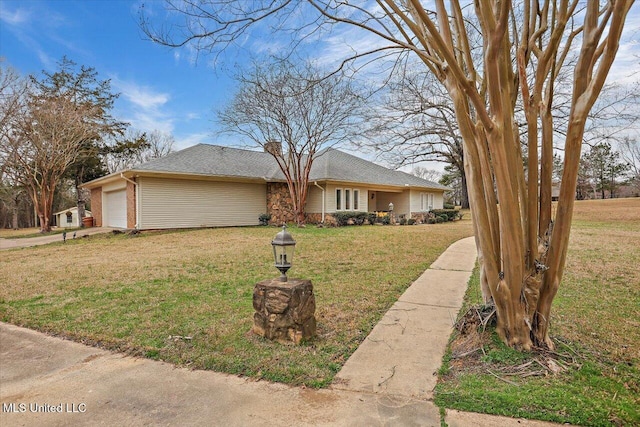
{"type": "Point", "coordinates": [417, 204]}
{"type": "Point", "coordinates": [114, 208]}
{"type": "Point", "coordinates": [314, 199]}
{"type": "Point", "coordinates": [61, 220]}
{"type": "Point", "coordinates": [173, 203]}
{"type": "Point", "coordinates": [438, 200]}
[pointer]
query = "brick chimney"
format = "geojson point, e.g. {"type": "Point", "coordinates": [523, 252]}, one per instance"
{"type": "Point", "coordinates": [273, 147]}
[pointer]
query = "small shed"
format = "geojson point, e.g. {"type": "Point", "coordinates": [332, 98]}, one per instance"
{"type": "Point", "coordinates": [68, 218]}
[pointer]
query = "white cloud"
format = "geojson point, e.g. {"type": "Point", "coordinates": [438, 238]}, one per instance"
{"type": "Point", "coordinates": [144, 107]}
{"type": "Point", "coordinates": [15, 17]}
{"type": "Point", "coordinates": [139, 95]}
{"type": "Point", "coordinates": [626, 67]}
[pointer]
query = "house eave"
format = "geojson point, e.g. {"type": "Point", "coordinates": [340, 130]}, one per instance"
{"type": "Point", "coordinates": [134, 173]}
{"type": "Point", "coordinates": [382, 187]}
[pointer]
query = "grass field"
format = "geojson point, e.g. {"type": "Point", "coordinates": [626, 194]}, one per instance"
{"type": "Point", "coordinates": [186, 296]}
{"type": "Point", "coordinates": [594, 376]}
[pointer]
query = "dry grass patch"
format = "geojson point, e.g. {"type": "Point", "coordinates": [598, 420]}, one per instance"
{"type": "Point", "coordinates": [608, 210]}
{"type": "Point", "coordinates": [143, 294]}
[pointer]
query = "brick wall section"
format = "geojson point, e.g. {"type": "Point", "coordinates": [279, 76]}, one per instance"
{"type": "Point", "coordinates": [96, 206]}
{"type": "Point", "coordinates": [279, 203]}
{"type": "Point", "coordinates": [131, 205]}
{"type": "Point", "coordinates": [280, 207]}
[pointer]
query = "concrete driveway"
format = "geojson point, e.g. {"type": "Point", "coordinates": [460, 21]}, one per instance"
{"type": "Point", "coordinates": [43, 240]}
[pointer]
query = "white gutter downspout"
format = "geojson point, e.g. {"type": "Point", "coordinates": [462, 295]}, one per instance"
{"type": "Point", "coordinates": [323, 198]}
{"type": "Point", "coordinates": [137, 198]}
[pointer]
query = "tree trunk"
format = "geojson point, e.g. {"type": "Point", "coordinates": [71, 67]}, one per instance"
{"type": "Point", "coordinates": [464, 192]}
{"type": "Point", "coordinates": [81, 206]}
{"type": "Point", "coordinates": [14, 218]}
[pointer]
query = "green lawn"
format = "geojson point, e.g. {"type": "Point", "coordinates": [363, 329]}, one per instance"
{"type": "Point", "coordinates": [595, 323]}
{"type": "Point", "coordinates": [185, 297]}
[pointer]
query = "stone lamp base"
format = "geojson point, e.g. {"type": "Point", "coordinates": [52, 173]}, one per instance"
{"type": "Point", "coordinates": [285, 311]}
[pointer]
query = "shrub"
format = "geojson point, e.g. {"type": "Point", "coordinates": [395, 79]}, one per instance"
{"type": "Point", "coordinates": [451, 214]}
{"type": "Point", "coordinates": [350, 218]}
{"type": "Point", "coordinates": [448, 206]}
{"type": "Point", "coordinates": [264, 219]}
{"type": "Point", "coordinates": [431, 221]}
{"type": "Point", "coordinates": [411, 221]}
{"type": "Point", "coordinates": [403, 221]}
{"type": "Point", "coordinates": [386, 220]}
{"type": "Point", "coordinates": [440, 219]}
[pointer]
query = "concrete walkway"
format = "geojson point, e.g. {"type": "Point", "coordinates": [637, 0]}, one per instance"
{"type": "Point", "coordinates": [43, 240]}
{"type": "Point", "coordinates": [388, 381]}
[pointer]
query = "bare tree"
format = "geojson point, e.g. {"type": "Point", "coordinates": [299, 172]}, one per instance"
{"type": "Point", "coordinates": [417, 122]}
{"type": "Point", "coordinates": [522, 249]}
{"type": "Point", "coordinates": [630, 151]}
{"type": "Point", "coordinates": [160, 144]}
{"type": "Point", "coordinates": [137, 147]}
{"type": "Point", "coordinates": [65, 114]}
{"type": "Point", "coordinates": [428, 174]}
{"type": "Point", "coordinates": [300, 109]}
{"type": "Point", "coordinates": [45, 147]}
{"type": "Point", "coordinates": [13, 90]}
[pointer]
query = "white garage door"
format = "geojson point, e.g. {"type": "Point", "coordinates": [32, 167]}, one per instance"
{"type": "Point", "coordinates": [116, 209]}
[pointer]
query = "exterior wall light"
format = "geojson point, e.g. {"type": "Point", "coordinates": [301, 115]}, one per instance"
{"type": "Point", "coordinates": [283, 247]}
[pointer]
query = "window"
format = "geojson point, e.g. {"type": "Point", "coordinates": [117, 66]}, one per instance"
{"type": "Point", "coordinates": [426, 201]}
{"type": "Point", "coordinates": [69, 217]}
{"type": "Point", "coordinates": [347, 199]}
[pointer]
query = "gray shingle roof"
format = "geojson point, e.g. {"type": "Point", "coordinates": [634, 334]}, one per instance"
{"type": "Point", "coordinates": [215, 160]}
{"type": "Point", "coordinates": [335, 165]}
{"type": "Point", "coordinates": [329, 165]}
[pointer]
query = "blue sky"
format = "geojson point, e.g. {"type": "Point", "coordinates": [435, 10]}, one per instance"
{"type": "Point", "coordinates": [162, 88]}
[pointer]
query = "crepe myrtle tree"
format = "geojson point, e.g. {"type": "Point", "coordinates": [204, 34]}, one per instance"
{"type": "Point", "coordinates": [65, 114]}
{"type": "Point", "coordinates": [293, 111]}
{"type": "Point", "coordinates": [522, 248]}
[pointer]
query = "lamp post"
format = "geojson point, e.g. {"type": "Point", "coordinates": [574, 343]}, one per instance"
{"type": "Point", "coordinates": [284, 310]}
{"type": "Point", "coordinates": [283, 247]}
